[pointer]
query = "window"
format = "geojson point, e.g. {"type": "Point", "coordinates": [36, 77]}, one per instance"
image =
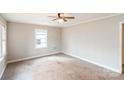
{"type": "Point", "coordinates": [41, 38]}
{"type": "Point", "coordinates": [2, 42]}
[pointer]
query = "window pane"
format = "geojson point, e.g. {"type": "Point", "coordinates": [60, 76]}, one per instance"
{"type": "Point", "coordinates": [44, 45]}
{"type": "Point", "coordinates": [43, 40]}
{"type": "Point", "coordinates": [3, 34]}
{"type": "Point", "coordinates": [43, 36]}
{"type": "Point", "coordinates": [3, 42]}
{"type": "Point", "coordinates": [38, 36]}
{"type": "Point", "coordinates": [3, 48]}
{"type": "Point", "coordinates": [38, 41]}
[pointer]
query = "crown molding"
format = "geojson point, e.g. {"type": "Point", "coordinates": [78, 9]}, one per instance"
{"type": "Point", "coordinates": [94, 19]}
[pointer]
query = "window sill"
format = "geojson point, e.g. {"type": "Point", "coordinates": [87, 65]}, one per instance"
{"type": "Point", "coordinates": [41, 47]}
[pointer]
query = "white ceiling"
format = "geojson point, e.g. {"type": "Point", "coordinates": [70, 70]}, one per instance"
{"type": "Point", "coordinates": [43, 19]}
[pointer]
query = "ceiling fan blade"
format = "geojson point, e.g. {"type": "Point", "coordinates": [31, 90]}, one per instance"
{"type": "Point", "coordinates": [60, 17]}
{"type": "Point", "coordinates": [54, 19]}
{"type": "Point", "coordinates": [70, 17]}
{"type": "Point", "coordinates": [52, 16]}
{"type": "Point", "coordinates": [65, 20]}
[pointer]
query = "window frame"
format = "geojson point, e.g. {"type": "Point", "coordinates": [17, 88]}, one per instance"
{"type": "Point", "coordinates": [0, 43]}
{"type": "Point", "coordinates": [46, 38]}
{"type": "Point", "coordinates": [3, 41]}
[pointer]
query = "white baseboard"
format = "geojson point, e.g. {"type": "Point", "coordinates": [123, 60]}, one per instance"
{"type": "Point", "coordinates": [28, 58]}
{"type": "Point", "coordinates": [90, 61]}
{"type": "Point", "coordinates": [4, 67]}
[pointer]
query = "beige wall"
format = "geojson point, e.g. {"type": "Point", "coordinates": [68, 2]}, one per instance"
{"type": "Point", "coordinates": [3, 62]}
{"type": "Point", "coordinates": [96, 41]}
{"type": "Point", "coordinates": [21, 40]}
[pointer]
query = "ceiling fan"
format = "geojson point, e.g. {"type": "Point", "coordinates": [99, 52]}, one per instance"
{"type": "Point", "coordinates": [61, 17]}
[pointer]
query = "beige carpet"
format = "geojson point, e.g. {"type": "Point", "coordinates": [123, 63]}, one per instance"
{"type": "Point", "coordinates": [57, 67]}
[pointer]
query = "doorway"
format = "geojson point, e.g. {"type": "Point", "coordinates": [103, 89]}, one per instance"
{"type": "Point", "coordinates": [123, 48]}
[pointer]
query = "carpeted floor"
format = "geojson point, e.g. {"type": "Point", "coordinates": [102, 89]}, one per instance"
{"type": "Point", "coordinates": [57, 67]}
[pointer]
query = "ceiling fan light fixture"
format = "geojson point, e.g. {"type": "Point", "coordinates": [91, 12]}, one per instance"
{"type": "Point", "coordinates": [60, 20]}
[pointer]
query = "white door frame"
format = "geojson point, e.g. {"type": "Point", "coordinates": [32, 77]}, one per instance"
{"type": "Point", "coordinates": [120, 35]}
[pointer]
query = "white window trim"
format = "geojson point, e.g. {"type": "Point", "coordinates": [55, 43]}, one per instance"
{"type": "Point", "coordinates": [36, 47]}
{"type": "Point", "coordinates": [3, 54]}
{"type": "Point", "coordinates": [1, 44]}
